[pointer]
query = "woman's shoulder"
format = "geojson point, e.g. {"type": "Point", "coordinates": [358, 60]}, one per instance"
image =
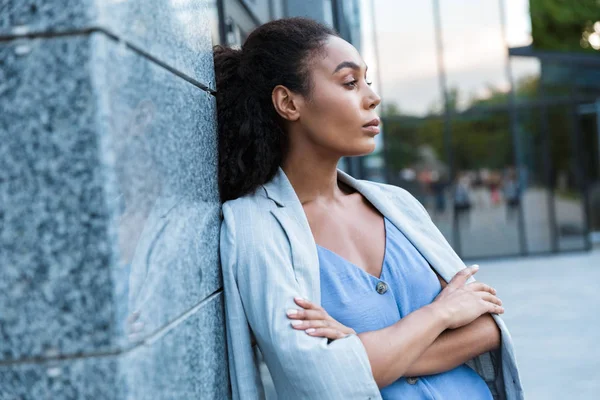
{"type": "Point", "coordinates": [254, 202]}
{"type": "Point", "coordinates": [250, 217]}
{"type": "Point", "coordinates": [252, 235]}
{"type": "Point", "coordinates": [390, 190]}
{"type": "Point", "coordinates": [396, 194]}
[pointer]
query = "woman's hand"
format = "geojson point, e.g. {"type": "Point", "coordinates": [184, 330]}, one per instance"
{"type": "Point", "coordinates": [462, 303]}
{"type": "Point", "coordinates": [315, 321]}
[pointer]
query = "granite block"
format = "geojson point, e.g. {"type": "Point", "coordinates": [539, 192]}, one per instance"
{"type": "Point", "coordinates": [177, 33]}
{"type": "Point", "coordinates": [159, 144]}
{"type": "Point", "coordinates": [76, 379]}
{"type": "Point", "coordinates": [109, 206]}
{"type": "Point", "coordinates": [55, 284]}
{"type": "Point", "coordinates": [187, 362]}
{"type": "Point", "coordinates": [18, 17]}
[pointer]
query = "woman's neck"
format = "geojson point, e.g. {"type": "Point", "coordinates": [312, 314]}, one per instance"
{"type": "Point", "coordinates": [314, 178]}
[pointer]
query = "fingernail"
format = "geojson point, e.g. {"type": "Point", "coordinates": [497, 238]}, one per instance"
{"type": "Point", "coordinates": [297, 322]}
{"type": "Point", "coordinates": [475, 266]}
{"type": "Point", "coordinates": [310, 330]}
{"type": "Point", "coordinates": [291, 311]}
{"type": "Point", "coordinates": [298, 299]}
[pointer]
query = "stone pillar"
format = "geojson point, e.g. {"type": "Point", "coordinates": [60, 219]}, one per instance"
{"type": "Point", "coordinates": [110, 285]}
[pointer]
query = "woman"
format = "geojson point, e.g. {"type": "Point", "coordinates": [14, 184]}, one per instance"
{"type": "Point", "coordinates": [334, 279]}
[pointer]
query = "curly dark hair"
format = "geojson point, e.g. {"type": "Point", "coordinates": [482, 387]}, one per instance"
{"type": "Point", "coordinates": [252, 139]}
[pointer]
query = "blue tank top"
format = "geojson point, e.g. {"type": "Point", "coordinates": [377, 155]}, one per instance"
{"type": "Point", "coordinates": [365, 303]}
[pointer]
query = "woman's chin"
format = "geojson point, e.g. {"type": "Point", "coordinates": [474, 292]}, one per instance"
{"type": "Point", "coordinates": [366, 146]}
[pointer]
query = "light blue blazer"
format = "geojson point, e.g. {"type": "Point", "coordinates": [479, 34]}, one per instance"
{"type": "Point", "coordinates": [269, 256]}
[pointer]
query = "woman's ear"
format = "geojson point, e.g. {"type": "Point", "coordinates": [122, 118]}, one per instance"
{"type": "Point", "coordinates": [285, 103]}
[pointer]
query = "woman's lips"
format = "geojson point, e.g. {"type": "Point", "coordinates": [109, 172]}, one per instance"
{"type": "Point", "coordinates": [372, 126]}
{"type": "Point", "coordinates": [371, 129]}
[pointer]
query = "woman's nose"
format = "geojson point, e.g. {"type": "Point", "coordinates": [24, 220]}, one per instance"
{"type": "Point", "coordinates": [372, 100]}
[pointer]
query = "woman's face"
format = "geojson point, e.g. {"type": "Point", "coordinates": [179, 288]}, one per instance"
{"type": "Point", "coordinates": [339, 115]}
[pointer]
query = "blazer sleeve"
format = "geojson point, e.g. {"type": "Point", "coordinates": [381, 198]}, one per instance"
{"type": "Point", "coordinates": [260, 285]}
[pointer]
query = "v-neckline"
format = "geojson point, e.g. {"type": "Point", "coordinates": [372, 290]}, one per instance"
{"type": "Point", "coordinates": [385, 251]}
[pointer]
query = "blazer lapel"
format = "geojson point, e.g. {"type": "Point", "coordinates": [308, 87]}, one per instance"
{"type": "Point", "coordinates": [413, 223]}
{"type": "Point", "coordinates": [401, 210]}
{"type": "Point", "coordinates": [291, 216]}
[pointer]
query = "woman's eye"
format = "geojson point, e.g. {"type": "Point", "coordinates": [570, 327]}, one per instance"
{"type": "Point", "coordinates": [354, 83]}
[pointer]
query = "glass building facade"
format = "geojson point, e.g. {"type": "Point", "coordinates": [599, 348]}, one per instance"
{"type": "Point", "coordinates": [495, 132]}
{"type": "Point", "coordinates": [496, 136]}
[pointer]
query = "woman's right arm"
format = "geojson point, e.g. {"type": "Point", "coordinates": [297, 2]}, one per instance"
{"type": "Point", "coordinates": [260, 285]}
{"type": "Point", "coordinates": [394, 349]}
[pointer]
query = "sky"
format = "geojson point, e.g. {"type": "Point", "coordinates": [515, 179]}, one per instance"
{"type": "Point", "coordinates": [474, 49]}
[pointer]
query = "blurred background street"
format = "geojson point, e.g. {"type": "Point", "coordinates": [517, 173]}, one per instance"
{"type": "Point", "coordinates": [490, 118]}
{"type": "Point", "coordinates": [552, 308]}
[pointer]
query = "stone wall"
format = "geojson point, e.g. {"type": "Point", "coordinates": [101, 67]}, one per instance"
{"type": "Point", "coordinates": [109, 215]}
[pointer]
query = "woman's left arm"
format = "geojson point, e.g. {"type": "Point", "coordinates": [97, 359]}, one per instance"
{"type": "Point", "coordinates": [452, 348]}
{"type": "Point", "coordinates": [455, 347]}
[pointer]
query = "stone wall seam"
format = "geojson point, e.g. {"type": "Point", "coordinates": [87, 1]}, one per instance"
{"type": "Point", "coordinates": [116, 38]}
{"type": "Point", "coordinates": [180, 319]}
{"type": "Point", "coordinates": [148, 341]}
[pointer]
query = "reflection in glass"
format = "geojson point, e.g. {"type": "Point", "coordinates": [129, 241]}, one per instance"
{"type": "Point", "coordinates": [487, 185]}
{"type": "Point", "coordinates": [589, 122]}
{"type": "Point", "coordinates": [518, 23]}
{"type": "Point", "coordinates": [165, 193]}
{"type": "Point", "coordinates": [259, 8]}
{"type": "Point", "coordinates": [566, 179]}
{"type": "Point", "coordinates": [566, 25]}
{"type": "Point", "coordinates": [408, 65]}
{"type": "Point", "coordinates": [372, 164]}
{"type": "Point", "coordinates": [526, 76]}
{"type": "Point", "coordinates": [235, 36]}
{"type": "Point", "coordinates": [417, 162]}
{"type": "Point", "coordinates": [519, 180]}
{"type": "Point", "coordinates": [537, 200]}
{"type": "Point", "coordinates": [213, 14]}
{"type": "Point", "coordinates": [474, 49]}
{"type": "Point", "coordinates": [168, 219]}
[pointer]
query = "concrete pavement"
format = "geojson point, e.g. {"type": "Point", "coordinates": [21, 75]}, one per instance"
{"type": "Point", "coordinates": [490, 231]}
{"type": "Point", "coordinates": [553, 312]}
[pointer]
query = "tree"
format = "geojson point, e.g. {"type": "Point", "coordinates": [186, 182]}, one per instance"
{"type": "Point", "coordinates": [564, 25]}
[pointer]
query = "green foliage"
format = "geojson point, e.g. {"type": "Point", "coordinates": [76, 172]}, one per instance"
{"type": "Point", "coordinates": [479, 138]}
{"type": "Point", "coordinates": [561, 24]}
{"type": "Point", "coordinates": [390, 110]}
{"type": "Point", "coordinates": [482, 138]}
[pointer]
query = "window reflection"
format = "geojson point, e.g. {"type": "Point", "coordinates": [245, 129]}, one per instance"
{"type": "Point", "coordinates": [523, 176]}
{"type": "Point", "coordinates": [405, 32]}
{"type": "Point", "coordinates": [213, 14]}
{"type": "Point", "coordinates": [566, 179]}
{"type": "Point", "coordinates": [538, 207]}
{"type": "Point", "coordinates": [416, 160]}
{"type": "Point", "coordinates": [473, 49]}
{"type": "Point", "coordinates": [487, 185]}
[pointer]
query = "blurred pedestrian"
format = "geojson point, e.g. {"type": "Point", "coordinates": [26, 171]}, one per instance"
{"type": "Point", "coordinates": [495, 182]}
{"type": "Point", "coordinates": [512, 193]}
{"type": "Point", "coordinates": [462, 200]}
